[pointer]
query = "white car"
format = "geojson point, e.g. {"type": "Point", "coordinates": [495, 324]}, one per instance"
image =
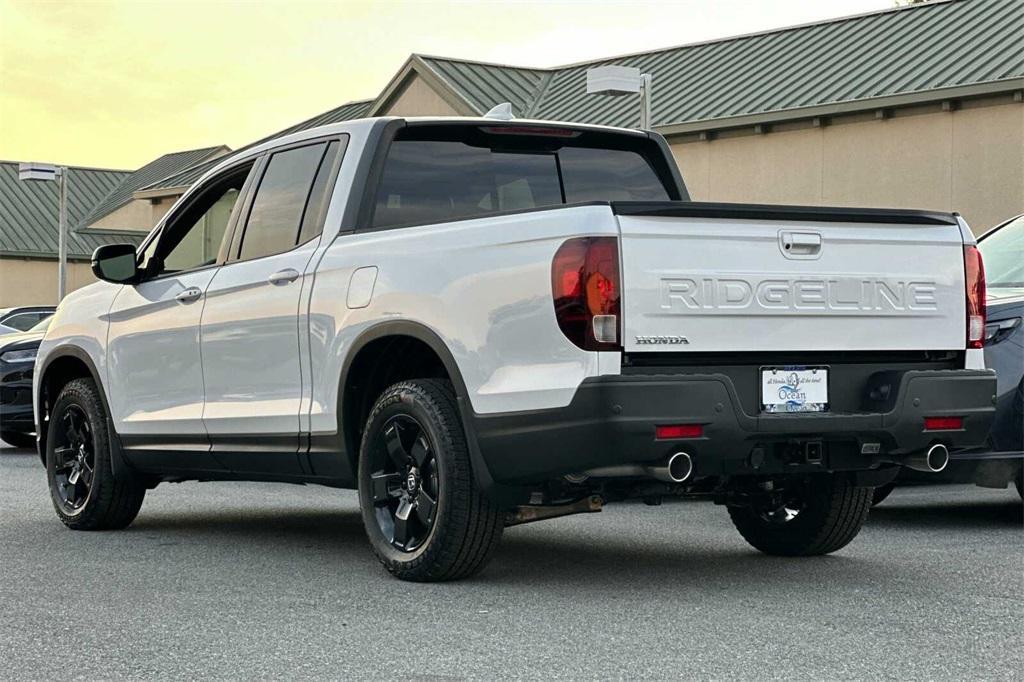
{"type": "Point", "coordinates": [482, 322]}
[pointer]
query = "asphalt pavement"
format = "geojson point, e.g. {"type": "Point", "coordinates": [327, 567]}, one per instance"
{"type": "Point", "coordinates": [252, 580]}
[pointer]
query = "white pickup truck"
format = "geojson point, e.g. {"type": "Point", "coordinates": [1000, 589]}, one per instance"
{"type": "Point", "coordinates": [482, 322]}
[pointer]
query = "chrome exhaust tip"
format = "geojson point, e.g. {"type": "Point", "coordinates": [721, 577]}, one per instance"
{"type": "Point", "coordinates": [937, 458]}
{"type": "Point", "coordinates": [931, 461]}
{"type": "Point", "coordinates": [680, 467]}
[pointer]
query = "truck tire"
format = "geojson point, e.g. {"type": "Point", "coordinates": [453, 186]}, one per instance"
{"type": "Point", "coordinates": [822, 514]}
{"type": "Point", "coordinates": [425, 517]}
{"type": "Point", "coordinates": [18, 440]}
{"type": "Point", "coordinates": [85, 493]}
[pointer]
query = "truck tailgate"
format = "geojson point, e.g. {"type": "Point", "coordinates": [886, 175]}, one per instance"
{"type": "Point", "coordinates": [733, 277]}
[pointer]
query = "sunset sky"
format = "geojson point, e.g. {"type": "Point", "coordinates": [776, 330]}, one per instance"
{"type": "Point", "coordinates": [117, 84]}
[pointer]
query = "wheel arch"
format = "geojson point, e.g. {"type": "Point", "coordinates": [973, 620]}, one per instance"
{"type": "Point", "coordinates": [62, 365]}
{"type": "Point", "coordinates": [364, 376]}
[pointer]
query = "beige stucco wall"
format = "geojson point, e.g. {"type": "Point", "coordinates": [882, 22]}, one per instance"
{"type": "Point", "coordinates": [162, 206]}
{"type": "Point", "coordinates": [137, 214]}
{"type": "Point", "coordinates": [419, 99]}
{"type": "Point", "coordinates": [969, 160]}
{"type": "Point", "coordinates": [34, 282]}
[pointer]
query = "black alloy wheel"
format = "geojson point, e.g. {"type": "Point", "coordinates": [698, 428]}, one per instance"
{"type": "Point", "coordinates": [405, 483]}
{"type": "Point", "coordinates": [86, 493]}
{"type": "Point", "coordinates": [424, 514]}
{"type": "Point", "coordinates": [74, 459]}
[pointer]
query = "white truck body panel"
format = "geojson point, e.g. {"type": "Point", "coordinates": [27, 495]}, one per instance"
{"type": "Point", "coordinates": [483, 286]}
{"type": "Point", "coordinates": [731, 285]}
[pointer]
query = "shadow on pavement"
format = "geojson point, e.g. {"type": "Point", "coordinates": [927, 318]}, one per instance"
{"type": "Point", "coordinates": [949, 514]}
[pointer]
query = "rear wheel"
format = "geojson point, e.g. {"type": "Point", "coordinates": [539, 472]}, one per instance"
{"type": "Point", "coordinates": [18, 439]}
{"type": "Point", "coordinates": [83, 488]}
{"type": "Point", "coordinates": [423, 513]}
{"type": "Point", "coordinates": [812, 515]}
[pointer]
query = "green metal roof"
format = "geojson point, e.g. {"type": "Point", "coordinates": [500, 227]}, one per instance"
{"type": "Point", "coordinates": [168, 164]}
{"type": "Point", "coordinates": [29, 212]}
{"type": "Point", "coordinates": [900, 55]}
{"type": "Point", "coordinates": [188, 175]}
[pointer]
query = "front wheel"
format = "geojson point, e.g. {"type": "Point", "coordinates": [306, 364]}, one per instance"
{"type": "Point", "coordinates": [423, 513]}
{"type": "Point", "coordinates": [806, 516]}
{"type": "Point", "coordinates": [83, 488]}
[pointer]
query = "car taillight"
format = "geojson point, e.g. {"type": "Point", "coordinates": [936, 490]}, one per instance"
{"type": "Point", "coordinates": [974, 279]}
{"type": "Point", "coordinates": [943, 423]}
{"type": "Point", "coordinates": [676, 431]}
{"type": "Point", "coordinates": [585, 286]}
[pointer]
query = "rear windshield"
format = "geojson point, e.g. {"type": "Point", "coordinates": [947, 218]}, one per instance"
{"type": "Point", "coordinates": [446, 173]}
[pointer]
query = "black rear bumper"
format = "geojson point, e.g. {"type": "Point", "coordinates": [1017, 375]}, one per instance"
{"type": "Point", "coordinates": [611, 420]}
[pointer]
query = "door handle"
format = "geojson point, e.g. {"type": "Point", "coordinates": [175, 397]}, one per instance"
{"type": "Point", "coordinates": [800, 244]}
{"type": "Point", "coordinates": [189, 295]}
{"type": "Point", "coordinates": [285, 276]}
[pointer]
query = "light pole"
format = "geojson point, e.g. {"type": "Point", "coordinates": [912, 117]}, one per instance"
{"type": "Point", "coordinates": [47, 172]}
{"type": "Point", "coordinates": [616, 81]}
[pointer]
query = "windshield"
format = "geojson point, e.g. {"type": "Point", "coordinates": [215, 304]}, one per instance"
{"type": "Point", "coordinates": [1003, 251]}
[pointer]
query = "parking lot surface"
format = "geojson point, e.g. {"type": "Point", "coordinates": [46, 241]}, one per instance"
{"type": "Point", "coordinates": [248, 580]}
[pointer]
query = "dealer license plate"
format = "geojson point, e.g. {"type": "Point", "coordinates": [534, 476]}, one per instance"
{"type": "Point", "coordinates": [794, 389]}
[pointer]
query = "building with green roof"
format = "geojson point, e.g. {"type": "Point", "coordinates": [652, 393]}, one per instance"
{"type": "Point", "coordinates": [914, 107]}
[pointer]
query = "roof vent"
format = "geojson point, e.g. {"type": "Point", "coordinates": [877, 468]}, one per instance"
{"type": "Point", "coordinates": [502, 112]}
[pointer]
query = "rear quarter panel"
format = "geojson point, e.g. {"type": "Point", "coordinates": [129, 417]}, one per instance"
{"type": "Point", "coordinates": [482, 285]}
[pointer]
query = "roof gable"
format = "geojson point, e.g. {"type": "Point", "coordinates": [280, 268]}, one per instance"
{"type": "Point", "coordinates": [166, 165]}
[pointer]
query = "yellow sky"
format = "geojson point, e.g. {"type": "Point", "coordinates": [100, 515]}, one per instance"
{"type": "Point", "coordinates": [116, 84]}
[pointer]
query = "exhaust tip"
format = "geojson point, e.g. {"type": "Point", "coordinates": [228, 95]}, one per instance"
{"type": "Point", "coordinates": [680, 467]}
{"type": "Point", "coordinates": [937, 458]}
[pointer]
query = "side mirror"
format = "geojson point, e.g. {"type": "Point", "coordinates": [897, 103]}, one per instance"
{"type": "Point", "coordinates": [115, 263]}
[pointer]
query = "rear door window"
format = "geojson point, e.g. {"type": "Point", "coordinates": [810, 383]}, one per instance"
{"type": "Point", "coordinates": [291, 200]}
{"type": "Point", "coordinates": [276, 214]}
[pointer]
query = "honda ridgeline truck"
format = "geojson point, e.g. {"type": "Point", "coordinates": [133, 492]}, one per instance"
{"type": "Point", "coordinates": [484, 322]}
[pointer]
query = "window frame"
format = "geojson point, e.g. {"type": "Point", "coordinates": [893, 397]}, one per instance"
{"type": "Point", "coordinates": [255, 163]}
{"type": "Point", "coordinates": [241, 225]}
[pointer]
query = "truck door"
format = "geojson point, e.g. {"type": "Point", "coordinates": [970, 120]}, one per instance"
{"type": "Point", "coordinates": [251, 320]}
{"type": "Point", "coordinates": [155, 376]}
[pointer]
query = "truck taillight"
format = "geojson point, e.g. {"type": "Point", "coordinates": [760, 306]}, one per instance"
{"type": "Point", "coordinates": [974, 278]}
{"type": "Point", "coordinates": [585, 286]}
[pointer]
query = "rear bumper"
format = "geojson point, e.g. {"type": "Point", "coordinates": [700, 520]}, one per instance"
{"type": "Point", "coordinates": [611, 420]}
